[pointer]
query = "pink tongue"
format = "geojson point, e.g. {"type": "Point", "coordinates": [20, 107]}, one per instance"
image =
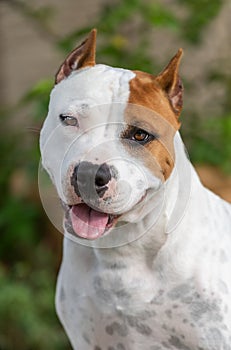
{"type": "Point", "coordinates": [88, 223]}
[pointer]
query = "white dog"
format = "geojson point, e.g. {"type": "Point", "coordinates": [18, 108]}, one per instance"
{"type": "Point", "coordinates": [147, 249]}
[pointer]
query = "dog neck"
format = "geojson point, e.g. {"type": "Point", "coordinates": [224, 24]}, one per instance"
{"type": "Point", "coordinates": [179, 186]}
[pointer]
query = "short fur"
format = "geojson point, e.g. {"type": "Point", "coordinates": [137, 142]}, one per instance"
{"type": "Point", "coordinates": [169, 287]}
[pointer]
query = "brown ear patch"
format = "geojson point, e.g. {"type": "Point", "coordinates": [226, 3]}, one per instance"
{"type": "Point", "coordinates": [160, 96]}
{"type": "Point", "coordinates": [146, 91]}
{"type": "Point", "coordinates": [171, 83]}
{"type": "Point", "coordinates": [81, 57]}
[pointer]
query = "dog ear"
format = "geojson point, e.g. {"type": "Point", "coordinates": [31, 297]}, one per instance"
{"type": "Point", "coordinates": [171, 83]}
{"type": "Point", "coordinates": [82, 56]}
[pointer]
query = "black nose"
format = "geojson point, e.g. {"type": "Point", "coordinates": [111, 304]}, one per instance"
{"type": "Point", "coordinates": [89, 179]}
{"type": "Point", "coordinates": [103, 175]}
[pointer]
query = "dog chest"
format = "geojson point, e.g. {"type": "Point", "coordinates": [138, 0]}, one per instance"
{"type": "Point", "coordinates": [118, 303]}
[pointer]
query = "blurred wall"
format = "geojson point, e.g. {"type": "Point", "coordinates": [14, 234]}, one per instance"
{"type": "Point", "coordinates": [27, 53]}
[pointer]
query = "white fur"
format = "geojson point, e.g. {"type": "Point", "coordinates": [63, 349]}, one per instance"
{"type": "Point", "coordinates": [169, 289]}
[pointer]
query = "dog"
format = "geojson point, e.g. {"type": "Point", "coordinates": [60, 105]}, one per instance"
{"type": "Point", "coordinates": [147, 249]}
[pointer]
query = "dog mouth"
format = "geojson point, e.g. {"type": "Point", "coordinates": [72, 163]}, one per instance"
{"type": "Point", "coordinates": [87, 222]}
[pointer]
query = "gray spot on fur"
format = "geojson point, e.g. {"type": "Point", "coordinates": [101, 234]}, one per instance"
{"type": "Point", "coordinates": [117, 265]}
{"type": "Point", "coordinates": [122, 294]}
{"type": "Point", "coordinates": [180, 291]}
{"type": "Point", "coordinates": [109, 330]}
{"type": "Point", "coordinates": [159, 298]}
{"type": "Point", "coordinates": [176, 342]}
{"type": "Point", "coordinates": [210, 311]}
{"type": "Point", "coordinates": [83, 110]}
{"type": "Point", "coordinates": [198, 309]}
{"type": "Point", "coordinates": [97, 348]}
{"type": "Point", "coordinates": [101, 292]}
{"type": "Point", "coordinates": [143, 329]}
{"type": "Point", "coordinates": [169, 313]}
{"type": "Point", "coordinates": [140, 327]}
{"type": "Point", "coordinates": [187, 299]}
{"type": "Point", "coordinates": [132, 321]}
{"type": "Point", "coordinates": [120, 346]}
{"type": "Point", "coordinates": [115, 327]}
{"type": "Point", "coordinates": [147, 314]}
{"type": "Point", "coordinates": [105, 294]}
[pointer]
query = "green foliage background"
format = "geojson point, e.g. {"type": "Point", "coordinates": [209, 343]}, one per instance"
{"type": "Point", "coordinates": [28, 261]}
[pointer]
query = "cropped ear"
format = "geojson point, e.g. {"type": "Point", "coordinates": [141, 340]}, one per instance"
{"type": "Point", "coordinates": [82, 56]}
{"type": "Point", "coordinates": [171, 83]}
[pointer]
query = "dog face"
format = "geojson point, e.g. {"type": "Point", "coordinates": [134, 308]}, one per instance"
{"type": "Point", "coordinates": [107, 142]}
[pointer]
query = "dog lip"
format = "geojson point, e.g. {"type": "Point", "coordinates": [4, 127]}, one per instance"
{"type": "Point", "coordinates": [112, 219]}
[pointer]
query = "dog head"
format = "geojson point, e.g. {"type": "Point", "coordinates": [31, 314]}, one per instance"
{"type": "Point", "coordinates": [107, 142]}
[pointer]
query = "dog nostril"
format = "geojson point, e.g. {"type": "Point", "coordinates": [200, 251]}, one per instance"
{"type": "Point", "coordinates": [88, 178]}
{"type": "Point", "coordinates": [103, 175]}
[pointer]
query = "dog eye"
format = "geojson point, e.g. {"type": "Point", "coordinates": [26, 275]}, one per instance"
{"type": "Point", "coordinates": [141, 136]}
{"type": "Point", "coordinates": [68, 120]}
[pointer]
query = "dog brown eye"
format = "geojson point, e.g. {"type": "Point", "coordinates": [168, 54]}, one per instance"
{"type": "Point", "coordinates": [68, 120]}
{"type": "Point", "coordinates": [141, 135]}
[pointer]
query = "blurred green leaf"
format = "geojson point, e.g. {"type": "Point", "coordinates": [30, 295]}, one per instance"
{"type": "Point", "coordinates": [41, 89]}
{"type": "Point", "coordinates": [201, 12]}
{"type": "Point", "coordinates": [157, 15]}
{"type": "Point", "coordinates": [211, 142]}
{"type": "Point", "coordinates": [27, 315]}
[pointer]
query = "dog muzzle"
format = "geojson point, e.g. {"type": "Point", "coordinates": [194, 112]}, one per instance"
{"type": "Point", "coordinates": [92, 184]}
